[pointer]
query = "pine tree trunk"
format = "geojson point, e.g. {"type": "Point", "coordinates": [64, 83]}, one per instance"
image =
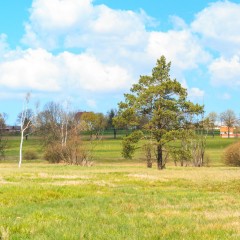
{"type": "Point", "coordinates": [160, 157]}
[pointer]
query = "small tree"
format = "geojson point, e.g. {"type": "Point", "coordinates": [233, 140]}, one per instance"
{"type": "Point", "coordinates": [163, 102]}
{"type": "Point", "coordinates": [27, 119]}
{"type": "Point", "coordinates": [193, 142]}
{"type": "Point", "coordinates": [229, 119]}
{"type": "Point", "coordinates": [212, 118]}
{"type": "Point", "coordinates": [95, 123]}
{"type": "Point", "coordinates": [51, 124]}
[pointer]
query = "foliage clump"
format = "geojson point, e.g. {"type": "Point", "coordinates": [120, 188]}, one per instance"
{"type": "Point", "coordinates": [130, 144]}
{"type": "Point", "coordinates": [30, 155]}
{"type": "Point", "coordinates": [232, 155]}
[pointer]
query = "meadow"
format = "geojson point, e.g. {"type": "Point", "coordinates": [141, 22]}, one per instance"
{"type": "Point", "coordinates": [118, 199]}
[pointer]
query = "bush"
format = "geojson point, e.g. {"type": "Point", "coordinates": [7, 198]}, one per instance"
{"type": "Point", "coordinates": [232, 155]}
{"type": "Point", "coordinates": [70, 154]}
{"type": "Point", "coordinates": [54, 153]}
{"type": "Point", "coordinates": [30, 155]}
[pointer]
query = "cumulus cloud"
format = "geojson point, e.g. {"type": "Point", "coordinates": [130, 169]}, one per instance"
{"type": "Point", "coordinates": [116, 39]}
{"type": "Point", "coordinates": [194, 93]}
{"type": "Point", "coordinates": [74, 23]}
{"type": "Point", "coordinates": [225, 72]}
{"type": "Point", "coordinates": [40, 70]}
{"type": "Point", "coordinates": [181, 47]}
{"type": "Point", "coordinates": [59, 14]}
{"type": "Point", "coordinates": [50, 20]}
{"type": "Point", "coordinates": [113, 36]}
{"type": "Point", "coordinates": [34, 69]}
{"type": "Point", "coordinates": [86, 72]}
{"type": "Point", "coordinates": [219, 26]}
{"type": "Point", "coordinates": [115, 47]}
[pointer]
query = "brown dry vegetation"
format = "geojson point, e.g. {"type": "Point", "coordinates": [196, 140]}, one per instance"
{"type": "Point", "coordinates": [232, 155]}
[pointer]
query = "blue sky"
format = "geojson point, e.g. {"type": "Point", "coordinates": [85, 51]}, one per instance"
{"type": "Point", "coordinates": [91, 52]}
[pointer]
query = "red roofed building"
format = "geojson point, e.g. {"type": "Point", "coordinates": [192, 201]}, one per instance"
{"type": "Point", "coordinates": [230, 132]}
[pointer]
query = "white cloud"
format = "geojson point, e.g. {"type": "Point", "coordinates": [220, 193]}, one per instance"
{"type": "Point", "coordinates": [194, 93]}
{"type": "Point", "coordinates": [59, 14]}
{"type": "Point", "coordinates": [86, 72]}
{"type": "Point", "coordinates": [42, 71]}
{"type": "Point", "coordinates": [219, 25]}
{"type": "Point", "coordinates": [30, 69]}
{"type": "Point", "coordinates": [50, 20]}
{"type": "Point", "coordinates": [178, 23]}
{"type": "Point", "coordinates": [117, 22]}
{"type": "Point", "coordinates": [225, 72]}
{"type": "Point", "coordinates": [74, 23]}
{"type": "Point", "coordinates": [114, 37]}
{"type": "Point", "coordinates": [180, 47]}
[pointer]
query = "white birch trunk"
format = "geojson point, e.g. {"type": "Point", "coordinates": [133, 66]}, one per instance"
{"type": "Point", "coordinates": [66, 133]}
{"type": "Point", "coordinates": [21, 145]}
{"type": "Point", "coordinates": [62, 133]}
{"type": "Point", "coordinates": [23, 128]}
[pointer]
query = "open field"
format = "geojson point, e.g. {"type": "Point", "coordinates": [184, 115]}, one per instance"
{"type": "Point", "coordinates": [118, 199]}
{"type": "Point", "coordinates": [42, 201]}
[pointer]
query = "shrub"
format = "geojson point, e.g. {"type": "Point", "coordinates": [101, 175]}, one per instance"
{"type": "Point", "coordinates": [70, 154]}
{"type": "Point", "coordinates": [232, 155]}
{"type": "Point", "coordinates": [54, 153]}
{"type": "Point", "coordinates": [30, 155]}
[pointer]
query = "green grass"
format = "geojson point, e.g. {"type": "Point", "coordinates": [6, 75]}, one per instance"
{"type": "Point", "coordinates": [215, 148]}
{"type": "Point", "coordinates": [118, 199]}
{"type": "Point", "coordinates": [108, 150]}
{"type": "Point", "coordinates": [13, 143]}
{"type": "Point", "coordinates": [42, 201]}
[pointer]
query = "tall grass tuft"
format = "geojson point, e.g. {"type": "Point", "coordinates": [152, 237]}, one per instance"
{"type": "Point", "coordinates": [4, 233]}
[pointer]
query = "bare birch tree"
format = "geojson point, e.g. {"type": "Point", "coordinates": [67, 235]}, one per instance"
{"type": "Point", "coordinates": [26, 122]}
